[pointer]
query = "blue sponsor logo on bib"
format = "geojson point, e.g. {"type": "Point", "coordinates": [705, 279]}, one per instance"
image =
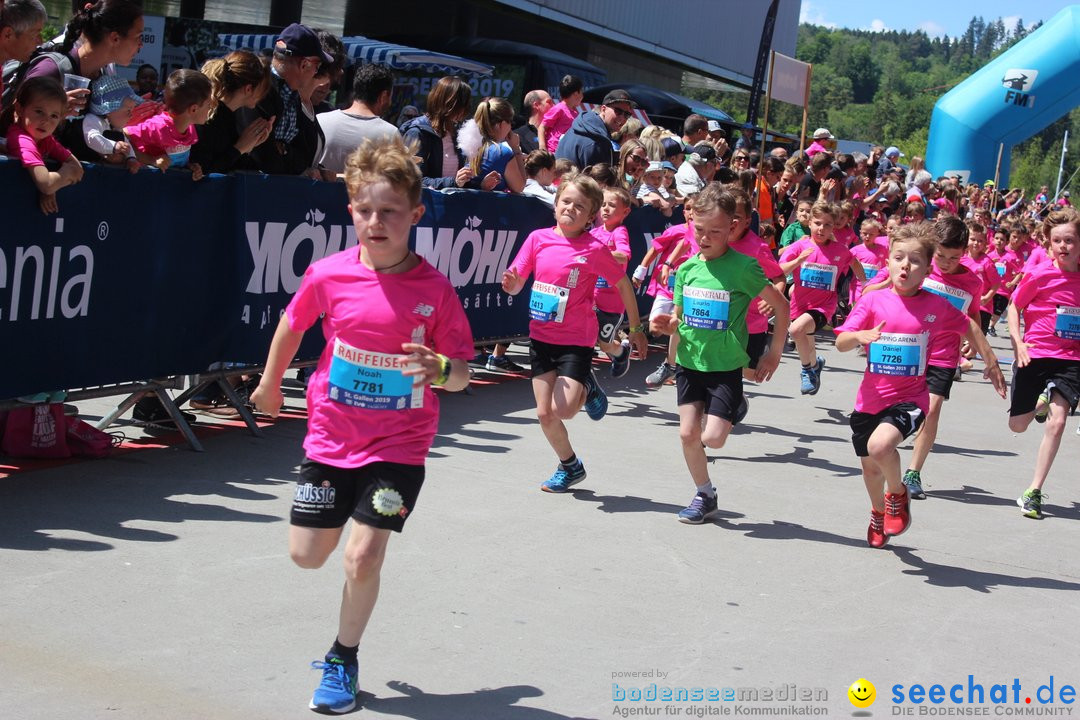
{"type": "Point", "coordinates": [371, 380]}
{"type": "Point", "coordinates": [706, 309]}
{"type": "Point", "coordinates": [547, 303]}
{"type": "Point", "coordinates": [898, 354]}
{"type": "Point", "coordinates": [1067, 323]}
{"type": "Point", "coordinates": [817, 276]}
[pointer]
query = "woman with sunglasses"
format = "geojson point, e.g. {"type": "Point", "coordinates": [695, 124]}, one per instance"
{"type": "Point", "coordinates": [633, 159]}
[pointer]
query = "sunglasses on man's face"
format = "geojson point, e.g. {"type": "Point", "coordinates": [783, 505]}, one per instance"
{"type": "Point", "coordinates": [624, 114]}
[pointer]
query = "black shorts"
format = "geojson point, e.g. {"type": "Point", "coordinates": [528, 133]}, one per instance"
{"type": "Point", "coordinates": [1001, 304]}
{"type": "Point", "coordinates": [939, 380]}
{"type": "Point", "coordinates": [820, 320]}
{"type": "Point", "coordinates": [756, 345]}
{"type": "Point", "coordinates": [380, 494]}
{"type": "Point", "coordinates": [721, 391]}
{"type": "Point", "coordinates": [906, 417]}
{"type": "Point", "coordinates": [984, 320]}
{"type": "Point", "coordinates": [566, 360]}
{"type": "Point", "coordinates": [609, 325]}
{"type": "Point", "coordinates": [1029, 381]}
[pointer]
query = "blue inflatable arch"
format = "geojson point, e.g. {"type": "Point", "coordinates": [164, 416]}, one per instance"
{"type": "Point", "coordinates": [1014, 96]}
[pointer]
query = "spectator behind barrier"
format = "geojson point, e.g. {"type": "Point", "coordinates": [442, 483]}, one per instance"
{"type": "Point", "coordinates": [558, 119]}
{"type": "Point", "coordinates": [346, 130]}
{"type": "Point", "coordinates": [540, 172]}
{"type": "Point", "coordinates": [108, 31]}
{"type": "Point", "coordinates": [38, 108]}
{"type": "Point", "coordinates": [165, 140]}
{"type": "Point", "coordinates": [298, 54]}
{"type": "Point", "coordinates": [21, 22]}
{"type": "Point", "coordinates": [535, 105]}
{"type": "Point", "coordinates": [328, 78]}
{"type": "Point", "coordinates": [695, 129]}
{"type": "Point", "coordinates": [699, 168]}
{"type": "Point", "coordinates": [239, 81]}
{"type": "Point", "coordinates": [408, 113]}
{"type": "Point", "coordinates": [111, 102]}
{"type": "Point", "coordinates": [441, 161]}
{"type": "Point", "coordinates": [604, 175]}
{"type": "Point", "coordinates": [633, 159]}
{"type": "Point", "coordinates": [651, 191]}
{"type": "Point", "coordinates": [492, 149]}
{"type": "Point", "coordinates": [589, 139]}
{"type": "Point", "coordinates": [146, 83]}
{"type": "Point", "coordinates": [316, 90]}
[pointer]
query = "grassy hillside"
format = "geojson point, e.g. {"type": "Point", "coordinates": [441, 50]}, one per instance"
{"type": "Point", "coordinates": [881, 87]}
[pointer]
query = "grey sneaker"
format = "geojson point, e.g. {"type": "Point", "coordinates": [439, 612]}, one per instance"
{"type": "Point", "coordinates": [914, 485]}
{"type": "Point", "coordinates": [661, 375]}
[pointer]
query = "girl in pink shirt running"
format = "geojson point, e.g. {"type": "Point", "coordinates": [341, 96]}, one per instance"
{"type": "Point", "coordinates": [394, 328]}
{"type": "Point", "coordinates": [567, 260]}
{"type": "Point", "coordinates": [898, 326]}
{"type": "Point", "coordinates": [1046, 383]}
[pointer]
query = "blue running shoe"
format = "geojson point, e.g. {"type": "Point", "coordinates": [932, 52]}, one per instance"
{"type": "Point", "coordinates": [336, 693]}
{"type": "Point", "coordinates": [596, 401]}
{"type": "Point", "coordinates": [815, 375]}
{"type": "Point", "coordinates": [819, 363]}
{"type": "Point", "coordinates": [806, 381]}
{"type": "Point", "coordinates": [699, 509]}
{"type": "Point", "coordinates": [621, 365]}
{"type": "Point", "coordinates": [562, 480]}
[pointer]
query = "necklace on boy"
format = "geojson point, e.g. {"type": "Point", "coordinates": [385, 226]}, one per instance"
{"type": "Point", "coordinates": [391, 267]}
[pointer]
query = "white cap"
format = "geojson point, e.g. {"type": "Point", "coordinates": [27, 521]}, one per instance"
{"type": "Point", "coordinates": [654, 166]}
{"type": "Point", "coordinates": [823, 134]}
{"type": "Point", "coordinates": [714, 126]}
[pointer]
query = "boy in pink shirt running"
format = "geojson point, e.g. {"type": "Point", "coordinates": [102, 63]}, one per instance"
{"type": "Point", "coordinates": [559, 117]}
{"type": "Point", "coordinates": [567, 260]}
{"type": "Point", "coordinates": [1046, 383]}
{"type": "Point", "coordinates": [898, 326]}
{"type": "Point", "coordinates": [817, 263]}
{"type": "Point", "coordinates": [394, 327]}
{"type": "Point", "coordinates": [165, 139]}
{"type": "Point", "coordinates": [950, 279]}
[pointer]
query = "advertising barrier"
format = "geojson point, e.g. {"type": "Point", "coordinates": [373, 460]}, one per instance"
{"type": "Point", "coordinates": [152, 275]}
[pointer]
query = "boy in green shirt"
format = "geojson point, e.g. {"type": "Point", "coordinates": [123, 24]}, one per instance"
{"type": "Point", "coordinates": [800, 227]}
{"type": "Point", "coordinates": [712, 291]}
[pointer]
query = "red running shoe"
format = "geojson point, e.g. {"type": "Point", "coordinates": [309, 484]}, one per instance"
{"type": "Point", "coordinates": [897, 512]}
{"type": "Point", "coordinates": [875, 534]}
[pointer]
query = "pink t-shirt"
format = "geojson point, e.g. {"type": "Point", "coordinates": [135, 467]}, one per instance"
{"type": "Point", "coordinates": [557, 120]}
{"type": "Point", "coordinates": [561, 300]}
{"type": "Point", "coordinates": [1007, 264]}
{"type": "Point", "coordinates": [984, 267]}
{"type": "Point", "coordinates": [1038, 258]}
{"type": "Point", "coordinates": [664, 244]}
{"type": "Point", "coordinates": [751, 245]}
{"type": "Point", "coordinates": [360, 408]}
{"type": "Point", "coordinates": [873, 259]}
{"type": "Point", "coordinates": [961, 289]}
{"type": "Point", "coordinates": [817, 278]}
{"type": "Point", "coordinates": [157, 136]}
{"type": "Point", "coordinates": [607, 297]}
{"type": "Point", "coordinates": [21, 144]}
{"type": "Point", "coordinates": [896, 362]}
{"type": "Point", "coordinates": [1028, 247]}
{"type": "Point", "coordinates": [846, 237]}
{"type": "Point", "coordinates": [1049, 299]}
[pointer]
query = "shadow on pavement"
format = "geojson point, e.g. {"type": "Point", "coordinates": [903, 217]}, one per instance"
{"type": "Point", "coordinates": [484, 703]}
{"type": "Point", "coordinates": [952, 576]}
{"type": "Point", "coordinates": [780, 530]}
{"type": "Point", "coordinates": [101, 497]}
{"type": "Point", "coordinates": [800, 456]}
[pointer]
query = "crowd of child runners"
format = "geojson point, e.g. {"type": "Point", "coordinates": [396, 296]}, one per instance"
{"type": "Point", "coordinates": [910, 271]}
{"type": "Point", "coordinates": [918, 298]}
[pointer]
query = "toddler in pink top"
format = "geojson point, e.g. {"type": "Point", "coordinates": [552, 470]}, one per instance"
{"type": "Point", "coordinates": [567, 260]}
{"type": "Point", "coordinates": [609, 305]}
{"type": "Point", "coordinates": [394, 327]}
{"type": "Point", "coordinates": [817, 263]}
{"type": "Point", "coordinates": [558, 119]}
{"type": "Point", "coordinates": [898, 326]}
{"type": "Point", "coordinates": [165, 140]}
{"type": "Point", "coordinates": [1046, 380]}
{"type": "Point", "coordinates": [39, 106]}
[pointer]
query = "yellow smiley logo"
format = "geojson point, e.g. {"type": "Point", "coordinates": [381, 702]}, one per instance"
{"type": "Point", "coordinates": [862, 693]}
